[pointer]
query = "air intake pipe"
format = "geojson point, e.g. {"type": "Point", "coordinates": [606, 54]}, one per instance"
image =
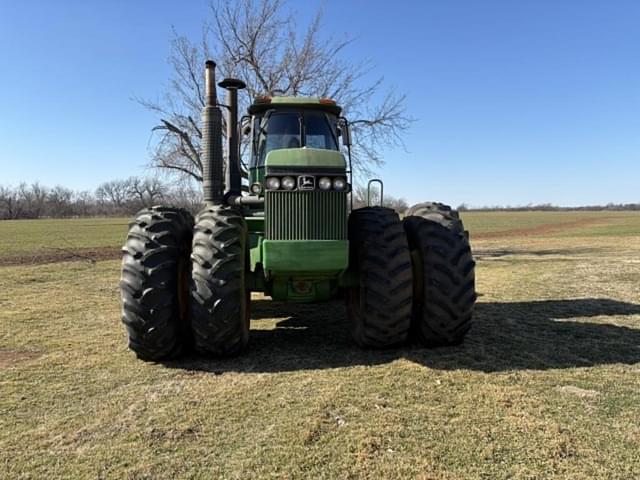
{"type": "Point", "coordinates": [212, 160]}
{"type": "Point", "coordinates": [233, 174]}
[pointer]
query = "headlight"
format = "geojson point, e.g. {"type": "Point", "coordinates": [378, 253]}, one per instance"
{"type": "Point", "coordinates": [256, 188]}
{"type": "Point", "coordinates": [324, 183]}
{"type": "Point", "coordinates": [288, 183]}
{"type": "Point", "coordinates": [339, 184]}
{"type": "Point", "coordinates": [273, 183]}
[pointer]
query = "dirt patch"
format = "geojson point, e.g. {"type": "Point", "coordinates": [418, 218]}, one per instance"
{"type": "Point", "coordinates": [8, 358]}
{"type": "Point", "coordinates": [90, 255]}
{"type": "Point", "coordinates": [504, 252]}
{"type": "Point", "coordinates": [540, 229]}
{"type": "Point", "coordinates": [579, 392]}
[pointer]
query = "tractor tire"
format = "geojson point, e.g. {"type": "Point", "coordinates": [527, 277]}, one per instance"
{"type": "Point", "coordinates": [154, 284]}
{"type": "Point", "coordinates": [220, 300]}
{"type": "Point", "coordinates": [435, 210]}
{"type": "Point", "coordinates": [379, 309]}
{"type": "Point", "coordinates": [444, 279]}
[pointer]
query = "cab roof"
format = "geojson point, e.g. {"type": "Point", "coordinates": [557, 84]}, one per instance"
{"type": "Point", "coordinates": [261, 104]}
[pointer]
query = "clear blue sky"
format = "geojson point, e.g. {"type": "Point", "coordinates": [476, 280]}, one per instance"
{"type": "Point", "coordinates": [516, 102]}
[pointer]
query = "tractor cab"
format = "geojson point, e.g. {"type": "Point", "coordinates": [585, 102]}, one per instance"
{"type": "Point", "coordinates": [301, 126]}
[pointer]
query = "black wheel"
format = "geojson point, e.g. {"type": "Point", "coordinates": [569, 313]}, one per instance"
{"type": "Point", "coordinates": [443, 270]}
{"type": "Point", "coordinates": [434, 210]}
{"type": "Point", "coordinates": [155, 282]}
{"type": "Point", "coordinates": [379, 309]}
{"type": "Point", "coordinates": [219, 298]}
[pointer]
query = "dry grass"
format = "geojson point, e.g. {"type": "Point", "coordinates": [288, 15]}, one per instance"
{"type": "Point", "coordinates": [546, 385]}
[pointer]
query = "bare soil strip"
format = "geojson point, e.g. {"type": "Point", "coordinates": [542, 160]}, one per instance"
{"type": "Point", "coordinates": [90, 255]}
{"type": "Point", "coordinates": [540, 229]}
{"type": "Point", "coordinates": [9, 358]}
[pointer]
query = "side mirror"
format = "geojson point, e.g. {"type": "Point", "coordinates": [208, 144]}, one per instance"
{"type": "Point", "coordinates": [345, 132]}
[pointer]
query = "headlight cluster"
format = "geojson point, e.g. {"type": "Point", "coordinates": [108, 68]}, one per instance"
{"type": "Point", "coordinates": [302, 182]}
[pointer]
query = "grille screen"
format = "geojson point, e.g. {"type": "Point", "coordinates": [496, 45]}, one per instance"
{"type": "Point", "coordinates": [300, 215]}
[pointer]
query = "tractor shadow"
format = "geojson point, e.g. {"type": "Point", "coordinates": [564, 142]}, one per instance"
{"type": "Point", "coordinates": [539, 335]}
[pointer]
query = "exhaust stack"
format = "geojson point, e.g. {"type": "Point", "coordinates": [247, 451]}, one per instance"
{"type": "Point", "coordinates": [211, 141]}
{"type": "Point", "coordinates": [233, 175]}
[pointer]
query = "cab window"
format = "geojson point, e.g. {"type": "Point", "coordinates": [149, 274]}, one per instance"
{"type": "Point", "coordinates": [292, 130]}
{"type": "Point", "coordinates": [282, 131]}
{"type": "Point", "coordinates": [318, 132]}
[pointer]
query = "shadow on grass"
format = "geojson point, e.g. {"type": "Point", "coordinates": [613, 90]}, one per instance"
{"type": "Point", "coordinates": [547, 334]}
{"type": "Point", "coordinates": [481, 253]}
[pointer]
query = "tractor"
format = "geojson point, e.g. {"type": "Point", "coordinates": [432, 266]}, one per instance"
{"type": "Point", "coordinates": [292, 234]}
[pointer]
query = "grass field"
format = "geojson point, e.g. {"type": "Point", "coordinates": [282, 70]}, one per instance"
{"type": "Point", "coordinates": [547, 384]}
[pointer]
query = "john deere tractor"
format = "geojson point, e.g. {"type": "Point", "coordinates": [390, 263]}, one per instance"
{"type": "Point", "coordinates": [187, 283]}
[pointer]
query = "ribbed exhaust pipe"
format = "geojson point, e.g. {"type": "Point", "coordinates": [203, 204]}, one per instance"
{"type": "Point", "coordinates": [211, 141]}
{"type": "Point", "coordinates": [233, 175]}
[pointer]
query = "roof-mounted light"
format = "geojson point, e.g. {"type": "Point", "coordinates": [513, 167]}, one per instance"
{"type": "Point", "coordinates": [263, 99]}
{"type": "Point", "coordinates": [326, 101]}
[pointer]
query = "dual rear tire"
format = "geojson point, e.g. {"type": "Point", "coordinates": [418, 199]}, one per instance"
{"type": "Point", "coordinates": [183, 283]}
{"type": "Point", "coordinates": [416, 277]}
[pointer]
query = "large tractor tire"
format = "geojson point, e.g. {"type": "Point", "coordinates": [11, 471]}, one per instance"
{"type": "Point", "coordinates": [219, 298]}
{"type": "Point", "coordinates": [443, 270]}
{"type": "Point", "coordinates": [155, 282]}
{"type": "Point", "coordinates": [379, 309]}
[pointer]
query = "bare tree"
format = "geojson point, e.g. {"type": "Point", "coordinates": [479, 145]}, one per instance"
{"type": "Point", "coordinates": [147, 191]}
{"type": "Point", "coordinates": [115, 192]}
{"type": "Point", "coordinates": [186, 193]}
{"type": "Point", "coordinates": [84, 204]}
{"type": "Point", "coordinates": [260, 42]}
{"type": "Point", "coordinates": [60, 201]}
{"type": "Point", "coordinates": [32, 199]}
{"type": "Point", "coordinates": [9, 205]}
{"type": "Point", "coordinates": [361, 199]}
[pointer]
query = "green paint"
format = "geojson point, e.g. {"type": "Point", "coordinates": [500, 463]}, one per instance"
{"type": "Point", "coordinates": [297, 158]}
{"type": "Point", "coordinates": [295, 101]}
{"type": "Point", "coordinates": [300, 102]}
{"type": "Point", "coordinates": [255, 250]}
{"type": "Point", "coordinates": [304, 157]}
{"type": "Point", "coordinates": [328, 257]}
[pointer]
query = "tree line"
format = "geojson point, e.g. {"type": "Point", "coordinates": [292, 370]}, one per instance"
{"type": "Point", "coordinates": [120, 197]}
{"type": "Point", "coordinates": [124, 197]}
{"type": "Point", "coordinates": [548, 207]}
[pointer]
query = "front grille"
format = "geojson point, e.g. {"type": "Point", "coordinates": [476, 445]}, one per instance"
{"type": "Point", "coordinates": [299, 215]}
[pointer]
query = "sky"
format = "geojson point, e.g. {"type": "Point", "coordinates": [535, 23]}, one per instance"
{"type": "Point", "coordinates": [515, 102]}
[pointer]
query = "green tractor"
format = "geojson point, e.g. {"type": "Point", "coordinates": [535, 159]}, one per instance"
{"type": "Point", "coordinates": [293, 236]}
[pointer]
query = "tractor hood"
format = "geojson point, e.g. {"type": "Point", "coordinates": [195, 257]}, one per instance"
{"type": "Point", "coordinates": [305, 158]}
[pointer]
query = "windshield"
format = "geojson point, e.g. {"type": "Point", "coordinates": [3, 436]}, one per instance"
{"type": "Point", "coordinates": [277, 130]}
{"type": "Point", "coordinates": [318, 132]}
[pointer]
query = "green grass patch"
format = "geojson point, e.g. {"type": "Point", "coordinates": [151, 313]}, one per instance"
{"type": "Point", "coordinates": [24, 237]}
{"type": "Point", "coordinates": [583, 223]}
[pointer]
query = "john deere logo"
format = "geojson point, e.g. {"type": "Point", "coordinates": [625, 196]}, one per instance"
{"type": "Point", "coordinates": [306, 182]}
